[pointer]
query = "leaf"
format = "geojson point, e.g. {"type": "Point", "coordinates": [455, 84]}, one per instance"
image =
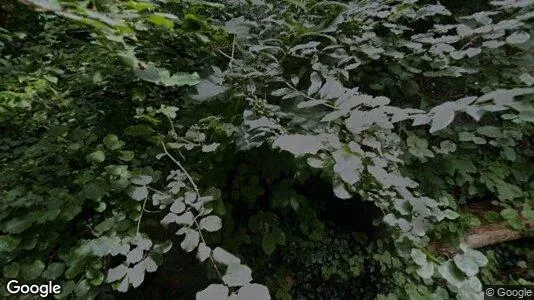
{"type": "Point", "coordinates": [186, 219]}
{"type": "Point", "coordinates": [213, 292]}
{"type": "Point", "coordinates": [126, 155]}
{"type": "Point", "coordinates": [112, 142]}
{"type": "Point", "coordinates": [515, 224]}
{"type": "Point", "coordinates": [518, 37]}
{"type": "Point", "coordinates": [441, 119]}
{"type": "Point", "coordinates": [180, 79]}
{"type": "Point", "coordinates": [11, 270]}
{"type": "Point", "coordinates": [299, 144]}
{"type": "Point", "coordinates": [331, 89]}
{"type": "Point", "coordinates": [163, 247]}
{"type": "Point", "coordinates": [138, 130]}
{"type": "Point", "coordinates": [210, 148]}
{"type": "Point", "coordinates": [237, 275]}
{"type": "Point", "coordinates": [451, 273]}
{"type": "Point", "coordinates": [268, 243]}
{"type": "Point", "coordinates": [211, 223]}
{"type": "Point", "coordinates": [96, 157]}
{"type": "Point", "coordinates": [149, 264]}
{"type": "Point", "coordinates": [17, 225]}
{"type": "Point", "coordinates": [8, 243]}
{"type": "Point", "coordinates": [253, 291]}
{"type": "Point", "coordinates": [203, 252]}
{"type": "Point", "coordinates": [161, 20]}
{"type": "Point", "coordinates": [51, 5]}
{"type": "Point", "coordinates": [528, 214]}
{"type": "Point", "coordinates": [206, 90]}
{"type": "Point", "coordinates": [138, 193]}
{"type": "Point", "coordinates": [490, 131]}
{"type": "Point", "coordinates": [508, 213]}
{"type": "Point", "coordinates": [237, 26]}
{"type": "Point", "coordinates": [168, 219]}
{"type": "Point", "coordinates": [527, 79]}
{"type": "Point", "coordinates": [32, 271]}
{"type": "Point", "coordinates": [316, 83]}
{"type": "Point", "coordinates": [426, 271]}
{"type": "Point", "coordinates": [467, 264]}
{"type": "Point", "coordinates": [191, 240]}
{"type": "Point", "coordinates": [177, 207]}
{"type": "Point", "coordinates": [224, 257]}
{"type": "Point", "coordinates": [141, 179]}
{"type": "Point", "coordinates": [123, 286]}
{"type": "Point", "coordinates": [341, 192]}
{"type": "Point", "coordinates": [135, 255]}
{"type": "Point", "coordinates": [54, 271]}
{"type": "Point", "coordinates": [311, 103]}
{"type": "Point", "coordinates": [418, 257]}
{"type": "Point", "coordinates": [136, 275]}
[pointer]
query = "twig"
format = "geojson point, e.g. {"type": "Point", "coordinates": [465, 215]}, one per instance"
{"type": "Point", "coordinates": [198, 195]}
{"type": "Point", "coordinates": [141, 216]}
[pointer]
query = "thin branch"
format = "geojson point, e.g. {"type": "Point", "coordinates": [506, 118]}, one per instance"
{"type": "Point", "coordinates": [181, 168]}
{"type": "Point", "coordinates": [308, 97]}
{"type": "Point", "coordinates": [141, 216]}
{"type": "Point", "coordinates": [198, 195]}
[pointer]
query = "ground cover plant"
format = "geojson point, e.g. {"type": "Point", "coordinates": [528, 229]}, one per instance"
{"type": "Point", "coordinates": [258, 149]}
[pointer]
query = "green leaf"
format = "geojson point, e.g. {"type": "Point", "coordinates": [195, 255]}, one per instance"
{"type": "Point", "coordinates": [139, 130]}
{"type": "Point", "coordinates": [96, 157]}
{"type": "Point", "coordinates": [268, 243]}
{"type": "Point", "coordinates": [112, 142]}
{"type": "Point", "coordinates": [467, 264]}
{"type": "Point", "coordinates": [279, 236]}
{"type": "Point", "coordinates": [54, 271]}
{"type": "Point", "coordinates": [11, 270]}
{"type": "Point", "coordinates": [490, 131]}
{"type": "Point", "coordinates": [126, 155]}
{"type": "Point", "coordinates": [528, 214]}
{"type": "Point", "coordinates": [255, 223]}
{"type": "Point", "coordinates": [32, 271]}
{"type": "Point", "coordinates": [8, 243]}
{"type": "Point", "coordinates": [17, 225]}
{"type": "Point", "coordinates": [509, 213]}
{"type": "Point", "coordinates": [161, 20]}
{"type": "Point", "coordinates": [515, 224]}
{"type": "Point", "coordinates": [426, 271]}
{"type": "Point", "coordinates": [451, 273]}
{"type": "Point", "coordinates": [419, 257]}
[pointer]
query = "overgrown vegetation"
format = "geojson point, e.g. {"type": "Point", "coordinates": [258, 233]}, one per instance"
{"type": "Point", "coordinates": [264, 149]}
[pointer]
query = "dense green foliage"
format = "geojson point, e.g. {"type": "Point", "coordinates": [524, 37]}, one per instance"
{"type": "Point", "coordinates": [257, 149]}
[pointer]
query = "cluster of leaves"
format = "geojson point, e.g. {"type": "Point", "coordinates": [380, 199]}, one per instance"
{"type": "Point", "coordinates": [119, 118]}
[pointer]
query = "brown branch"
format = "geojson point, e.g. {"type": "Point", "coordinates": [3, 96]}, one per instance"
{"type": "Point", "coordinates": [488, 234]}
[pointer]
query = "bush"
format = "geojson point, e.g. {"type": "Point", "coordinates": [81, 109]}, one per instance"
{"type": "Point", "coordinates": [323, 146]}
